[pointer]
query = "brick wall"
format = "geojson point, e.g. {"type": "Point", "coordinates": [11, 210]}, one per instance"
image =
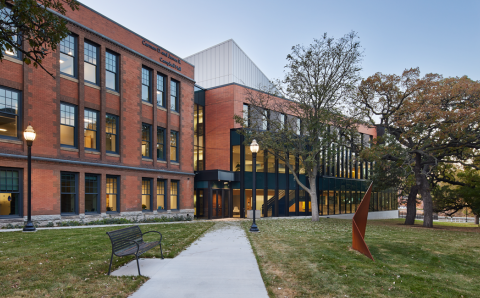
{"type": "Point", "coordinates": [41, 100]}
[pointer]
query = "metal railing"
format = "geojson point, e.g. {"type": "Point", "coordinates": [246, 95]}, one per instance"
{"type": "Point", "coordinates": [417, 216]}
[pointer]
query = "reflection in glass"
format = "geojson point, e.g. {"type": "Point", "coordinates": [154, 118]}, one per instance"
{"type": "Point", "coordinates": [66, 64]}
{"type": "Point", "coordinates": [146, 85]}
{"type": "Point", "coordinates": [90, 124]}
{"type": "Point", "coordinates": [111, 71]}
{"type": "Point", "coordinates": [67, 125]}
{"type": "Point", "coordinates": [90, 72]}
{"type": "Point", "coordinates": [67, 54]}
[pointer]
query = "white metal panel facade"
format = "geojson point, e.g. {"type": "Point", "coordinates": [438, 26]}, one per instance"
{"type": "Point", "coordinates": [226, 63]}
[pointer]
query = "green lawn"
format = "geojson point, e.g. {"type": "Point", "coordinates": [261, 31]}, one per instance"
{"type": "Point", "coordinates": [299, 258]}
{"type": "Point", "coordinates": [74, 262]}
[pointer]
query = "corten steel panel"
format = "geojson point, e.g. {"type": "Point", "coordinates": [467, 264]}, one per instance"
{"type": "Point", "coordinates": [359, 224]}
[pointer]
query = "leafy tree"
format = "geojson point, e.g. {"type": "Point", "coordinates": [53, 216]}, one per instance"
{"type": "Point", "coordinates": [316, 120]}
{"type": "Point", "coordinates": [457, 188]}
{"type": "Point", "coordinates": [435, 120]}
{"type": "Point", "coordinates": [396, 174]}
{"type": "Point", "coordinates": [33, 27]}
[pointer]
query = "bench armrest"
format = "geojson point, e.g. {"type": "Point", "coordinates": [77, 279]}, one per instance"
{"type": "Point", "coordinates": [154, 232]}
{"type": "Point", "coordinates": [136, 243]}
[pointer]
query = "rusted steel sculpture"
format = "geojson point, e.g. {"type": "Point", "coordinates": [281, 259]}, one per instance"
{"type": "Point", "coordinates": [359, 224]}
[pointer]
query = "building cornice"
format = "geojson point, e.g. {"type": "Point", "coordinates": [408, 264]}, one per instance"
{"type": "Point", "coordinates": [95, 164]}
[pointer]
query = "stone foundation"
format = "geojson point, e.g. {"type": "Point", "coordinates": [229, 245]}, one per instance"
{"type": "Point", "coordinates": [57, 219]}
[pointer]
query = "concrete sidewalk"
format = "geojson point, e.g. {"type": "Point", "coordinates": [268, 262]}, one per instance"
{"type": "Point", "coordinates": [220, 264]}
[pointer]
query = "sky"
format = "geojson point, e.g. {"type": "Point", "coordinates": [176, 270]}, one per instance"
{"type": "Point", "coordinates": [437, 36]}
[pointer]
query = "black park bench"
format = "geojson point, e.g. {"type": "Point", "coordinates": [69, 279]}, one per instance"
{"type": "Point", "coordinates": [129, 241]}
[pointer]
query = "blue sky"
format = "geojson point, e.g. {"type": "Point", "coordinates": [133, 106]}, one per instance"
{"type": "Point", "coordinates": [437, 36]}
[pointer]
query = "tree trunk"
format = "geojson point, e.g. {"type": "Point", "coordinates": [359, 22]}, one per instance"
{"type": "Point", "coordinates": [412, 205]}
{"type": "Point", "coordinates": [424, 190]}
{"type": "Point", "coordinates": [313, 198]}
{"type": "Point", "coordinates": [427, 202]}
{"type": "Point", "coordinates": [476, 219]}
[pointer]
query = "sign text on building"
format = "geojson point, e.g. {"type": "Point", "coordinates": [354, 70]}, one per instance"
{"type": "Point", "coordinates": [166, 54]}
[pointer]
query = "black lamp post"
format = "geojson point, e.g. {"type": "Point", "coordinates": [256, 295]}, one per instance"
{"type": "Point", "coordinates": [254, 148]}
{"type": "Point", "coordinates": [29, 135]}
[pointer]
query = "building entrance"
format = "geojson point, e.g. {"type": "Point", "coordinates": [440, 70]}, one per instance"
{"type": "Point", "coordinates": [220, 203]}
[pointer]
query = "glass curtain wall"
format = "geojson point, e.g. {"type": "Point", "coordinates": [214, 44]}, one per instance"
{"type": "Point", "coordinates": [336, 194]}
{"type": "Point", "coordinates": [199, 138]}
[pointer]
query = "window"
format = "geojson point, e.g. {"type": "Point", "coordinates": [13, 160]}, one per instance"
{"type": "Point", "coordinates": [146, 85]}
{"type": "Point", "coordinates": [90, 124]}
{"type": "Point", "coordinates": [111, 132]}
{"type": "Point", "coordinates": [9, 112]}
{"type": "Point", "coordinates": [112, 194]}
{"type": "Point", "coordinates": [245, 114]}
{"type": "Point", "coordinates": [161, 204]}
{"type": "Point", "coordinates": [173, 145]}
{"type": "Point", "coordinates": [92, 204]}
{"type": "Point", "coordinates": [10, 202]}
{"type": "Point", "coordinates": [174, 96]}
{"type": "Point", "coordinates": [282, 120]}
{"type": "Point", "coordinates": [5, 15]}
{"type": "Point", "coordinates": [68, 125]}
{"type": "Point", "coordinates": [160, 90]}
{"type": "Point", "coordinates": [146, 194]}
{"type": "Point", "coordinates": [146, 140]}
{"type": "Point", "coordinates": [174, 195]}
{"type": "Point", "coordinates": [161, 143]}
{"type": "Point", "coordinates": [90, 67]}
{"type": "Point", "coordinates": [67, 55]}
{"type": "Point", "coordinates": [199, 146]}
{"type": "Point", "coordinates": [111, 68]}
{"type": "Point", "coordinates": [258, 118]}
{"type": "Point", "coordinates": [68, 193]}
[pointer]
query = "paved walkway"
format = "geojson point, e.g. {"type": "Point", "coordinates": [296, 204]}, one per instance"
{"type": "Point", "coordinates": [220, 264]}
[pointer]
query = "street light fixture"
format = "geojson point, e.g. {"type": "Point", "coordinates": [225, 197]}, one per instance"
{"type": "Point", "coordinates": [29, 135]}
{"type": "Point", "coordinates": [254, 148]}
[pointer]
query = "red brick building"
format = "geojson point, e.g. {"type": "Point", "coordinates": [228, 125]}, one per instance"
{"type": "Point", "coordinates": [125, 130]}
{"type": "Point", "coordinates": [114, 127]}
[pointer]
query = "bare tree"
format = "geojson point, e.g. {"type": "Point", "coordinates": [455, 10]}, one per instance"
{"type": "Point", "coordinates": [315, 118]}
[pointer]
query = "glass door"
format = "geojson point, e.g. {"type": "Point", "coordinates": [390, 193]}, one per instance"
{"type": "Point", "coordinates": [217, 203]}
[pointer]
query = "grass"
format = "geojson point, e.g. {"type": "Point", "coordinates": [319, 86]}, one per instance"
{"type": "Point", "coordinates": [74, 262]}
{"type": "Point", "coordinates": [299, 258]}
